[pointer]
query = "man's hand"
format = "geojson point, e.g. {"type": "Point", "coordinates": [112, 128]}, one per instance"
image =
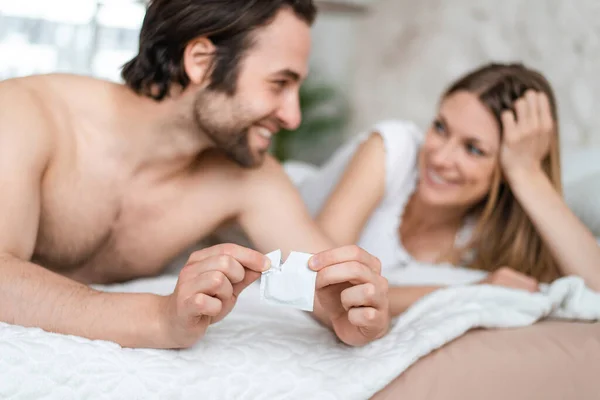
{"type": "Point", "coordinates": [509, 277]}
{"type": "Point", "coordinates": [207, 290]}
{"type": "Point", "coordinates": [352, 294]}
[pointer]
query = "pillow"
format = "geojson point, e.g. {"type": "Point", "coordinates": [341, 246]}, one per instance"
{"type": "Point", "coordinates": [577, 163]}
{"type": "Point", "coordinates": [298, 171]}
{"type": "Point", "coordinates": [583, 198]}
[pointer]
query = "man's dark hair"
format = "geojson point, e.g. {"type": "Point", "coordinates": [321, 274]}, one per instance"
{"type": "Point", "coordinates": [169, 25]}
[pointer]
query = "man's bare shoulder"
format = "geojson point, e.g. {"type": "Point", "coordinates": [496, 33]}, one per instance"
{"type": "Point", "coordinates": [18, 92]}
{"type": "Point", "coordinates": [25, 115]}
{"type": "Point", "coordinates": [270, 168]}
{"type": "Point", "coordinates": [216, 162]}
{"type": "Point", "coordinates": [37, 86]}
{"type": "Point", "coordinates": [245, 183]}
{"type": "Point", "coordinates": [270, 179]}
{"type": "Point", "coordinates": [51, 92]}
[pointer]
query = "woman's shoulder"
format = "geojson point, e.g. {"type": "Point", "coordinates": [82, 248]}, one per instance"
{"type": "Point", "coordinates": [398, 124]}
{"type": "Point", "coordinates": [398, 131]}
{"type": "Point", "coordinates": [401, 142]}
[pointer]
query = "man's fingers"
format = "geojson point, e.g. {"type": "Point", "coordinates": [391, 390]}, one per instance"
{"type": "Point", "coordinates": [203, 304]}
{"type": "Point", "coordinates": [344, 254]}
{"type": "Point", "coordinates": [361, 296]}
{"type": "Point", "coordinates": [364, 316]}
{"type": "Point", "coordinates": [212, 283]}
{"type": "Point", "coordinates": [250, 277]}
{"type": "Point", "coordinates": [218, 285]}
{"type": "Point", "coordinates": [250, 259]}
{"type": "Point", "coordinates": [350, 272]}
{"type": "Point", "coordinates": [227, 265]}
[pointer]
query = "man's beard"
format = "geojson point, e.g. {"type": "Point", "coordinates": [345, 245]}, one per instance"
{"type": "Point", "coordinates": [234, 144]}
{"type": "Point", "coordinates": [230, 133]}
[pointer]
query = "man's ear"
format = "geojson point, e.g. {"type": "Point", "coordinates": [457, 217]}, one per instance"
{"type": "Point", "coordinates": [197, 60]}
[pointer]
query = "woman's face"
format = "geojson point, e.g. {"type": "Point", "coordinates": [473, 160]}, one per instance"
{"type": "Point", "coordinates": [460, 153]}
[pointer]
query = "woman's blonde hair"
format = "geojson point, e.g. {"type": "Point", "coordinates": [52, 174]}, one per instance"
{"type": "Point", "coordinates": [504, 235]}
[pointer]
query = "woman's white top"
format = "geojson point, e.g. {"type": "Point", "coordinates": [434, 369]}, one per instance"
{"type": "Point", "coordinates": [380, 236]}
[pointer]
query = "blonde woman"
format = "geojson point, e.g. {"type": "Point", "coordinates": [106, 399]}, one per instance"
{"type": "Point", "coordinates": [481, 188]}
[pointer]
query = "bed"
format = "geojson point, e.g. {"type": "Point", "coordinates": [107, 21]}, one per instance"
{"type": "Point", "coordinates": [268, 352]}
{"type": "Point", "coordinates": [550, 360]}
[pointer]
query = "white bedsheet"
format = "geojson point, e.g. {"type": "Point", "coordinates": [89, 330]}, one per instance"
{"type": "Point", "coordinates": [268, 352]}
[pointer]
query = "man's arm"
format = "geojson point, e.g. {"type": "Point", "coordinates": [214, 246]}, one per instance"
{"type": "Point", "coordinates": [274, 215]}
{"type": "Point", "coordinates": [33, 296]}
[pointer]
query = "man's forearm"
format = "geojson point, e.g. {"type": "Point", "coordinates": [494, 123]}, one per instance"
{"type": "Point", "coordinates": [32, 296]}
{"type": "Point", "coordinates": [402, 297]}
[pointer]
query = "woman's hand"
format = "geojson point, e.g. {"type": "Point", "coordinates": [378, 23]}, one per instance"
{"type": "Point", "coordinates": [508, 277]}
{"type": "Point", "coordinates": [526, 141]}
{"type": "Point", "coordinates": [525, 144]}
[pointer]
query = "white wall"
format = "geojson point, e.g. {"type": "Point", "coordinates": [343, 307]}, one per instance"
{"type": "Point", "coordinates": [410, 50]}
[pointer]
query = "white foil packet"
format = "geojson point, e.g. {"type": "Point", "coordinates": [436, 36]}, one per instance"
{"type": "Point", "coordinates": [290, 284]}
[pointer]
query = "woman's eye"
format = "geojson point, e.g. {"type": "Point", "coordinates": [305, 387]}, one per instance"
{"type": "Point", "coordinates": [438, 126]}
{"type": "Point", "coordinates": [474, 150]}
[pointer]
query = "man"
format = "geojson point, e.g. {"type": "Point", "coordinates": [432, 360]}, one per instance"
{"type": "Point", "coordinates": [104, 182]}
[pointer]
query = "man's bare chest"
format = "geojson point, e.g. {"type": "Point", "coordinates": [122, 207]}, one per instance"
{"type": "Point", "coordinates": [106, 230]}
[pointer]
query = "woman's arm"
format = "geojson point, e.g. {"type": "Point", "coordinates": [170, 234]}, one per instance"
{"type": "Point", "coordinates": [525, 144]}
{"type": "Point", "coordinates": [357, 194]}
{"type": "Point", "coordinates": [572, 245]}
{"type": "Point", "coordinates": [402, 297]}
{"type": "Point", "coordinates": [359, 191]}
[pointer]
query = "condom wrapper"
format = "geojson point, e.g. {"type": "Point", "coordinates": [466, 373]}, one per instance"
{"type": "Point", "coordinates": [291, 284]}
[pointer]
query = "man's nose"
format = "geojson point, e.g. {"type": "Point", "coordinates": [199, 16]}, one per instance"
{"type": "Point", "coordinates": [289, 113]}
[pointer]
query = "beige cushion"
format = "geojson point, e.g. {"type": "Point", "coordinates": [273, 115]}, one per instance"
{"type": "Point", "coordinates": [583, 198]}
{"type": "Point", "coordinates": [549, 360]}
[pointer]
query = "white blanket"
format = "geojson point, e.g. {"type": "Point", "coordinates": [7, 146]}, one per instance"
{"type": "Point", "coordinates": [268, 352]}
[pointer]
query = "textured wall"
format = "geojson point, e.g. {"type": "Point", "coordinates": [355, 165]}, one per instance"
{"type": "Point", "coordinates": [407, 51]}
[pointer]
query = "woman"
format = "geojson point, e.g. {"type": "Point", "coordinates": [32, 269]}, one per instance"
{"type": "Point", "coordinates": [480, 189]}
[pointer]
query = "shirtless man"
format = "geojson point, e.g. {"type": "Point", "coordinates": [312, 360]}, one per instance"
{"type": "Point", "coordinates": [104, 182]}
